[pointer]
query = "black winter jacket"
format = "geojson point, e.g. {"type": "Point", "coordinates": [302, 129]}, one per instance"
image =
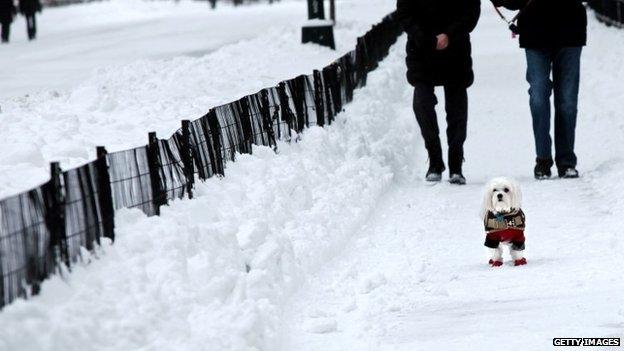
{"type": "Point", "coordinates": [423, 20]}
{"type": "Point", "coordinates": [7, 11]}
{"type": "Point", "coordinates": [550, 23]}
{"type": "Point", "coordinates": [29, 7]}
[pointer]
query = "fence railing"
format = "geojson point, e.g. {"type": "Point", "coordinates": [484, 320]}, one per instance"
{"type": "Point", "coordinates": [56, 3]}
{"type": "Point", "coordinates": [610, 12]}
{"type": "Point", "coordinates": [48, 229]}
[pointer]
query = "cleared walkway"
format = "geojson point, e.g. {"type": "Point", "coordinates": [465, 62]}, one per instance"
{"type": "Point", "coordinates": [416, 277]}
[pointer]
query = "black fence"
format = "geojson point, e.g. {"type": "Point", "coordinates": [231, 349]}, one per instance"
{"type": "Point", "coordinates": [49, 229]}
{"type": "Point", "coordinates": [213, 3]}
{"type": "Point", "coordinates": [610, 12]}
{"type": "Point", "coordinates": [56, 3]}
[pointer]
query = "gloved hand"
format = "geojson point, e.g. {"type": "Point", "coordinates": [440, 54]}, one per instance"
{"type": "Point", "coordinates": [498, 3]}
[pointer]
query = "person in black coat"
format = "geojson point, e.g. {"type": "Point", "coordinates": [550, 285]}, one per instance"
{"type": "Point", "coordinates": [439, 54]}
{"type": "Point", "coordinates": [7, 12]}
{"type": "Point", "coordinates": [29, 8]}
{"type": "Point", "coordinates": [553, 33]}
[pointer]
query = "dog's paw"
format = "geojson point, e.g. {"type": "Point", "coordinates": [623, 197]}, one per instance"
{"type": "Point", "coordinates": [520, 262]}
{"type": "Point", "coordinates": [495, 263]}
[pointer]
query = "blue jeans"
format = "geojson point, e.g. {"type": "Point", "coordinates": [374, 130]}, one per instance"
{"type": "Point", "coordinates": [565, 64]}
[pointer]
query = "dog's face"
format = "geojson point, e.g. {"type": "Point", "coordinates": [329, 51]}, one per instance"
{"type": "Point", "coordinates": [502, 195]}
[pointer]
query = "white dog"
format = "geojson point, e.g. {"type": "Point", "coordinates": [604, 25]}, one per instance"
{"type": "Point", "coordinates": [504, 220]}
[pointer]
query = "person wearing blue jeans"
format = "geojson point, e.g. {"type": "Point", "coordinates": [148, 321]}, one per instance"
{"type": "Point", "coordinates": [553, 33]}
{"type": "Point", "coordinates": [564, 65]}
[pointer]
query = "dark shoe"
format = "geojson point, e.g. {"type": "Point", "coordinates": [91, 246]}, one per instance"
{"type": "Point", "coordinates": [568, 173]}
{"type": "Point", "coordinates": [457, 179]}
{"type": "Point", "coordinates": [542, 168]}
{"type": "Point", "coordinates": [455, 162]}
{"type": "Point", "coordinates": [434, 174]}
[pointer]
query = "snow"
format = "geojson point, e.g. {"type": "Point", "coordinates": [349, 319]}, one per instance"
{"type": "Point", "coordinates": [426, 241]}
{"type": "Point", "coordinates": [76, 40]}
{"type": "Point", "coordinates": [337, 243]}
{"type": "Point", "coordinates": [321, 326]}
{"type": "Point", "coordinates": [184, 281]}
{"type": "Point", "coordinates": [318, 23]}
{"type": "Point", "coordinates": [107, 73]}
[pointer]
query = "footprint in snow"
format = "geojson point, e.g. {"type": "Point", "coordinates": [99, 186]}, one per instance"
{"type": "Point", "coordinates": [372, 283]}
{"type": "Point", "coordinates": [321, 326]}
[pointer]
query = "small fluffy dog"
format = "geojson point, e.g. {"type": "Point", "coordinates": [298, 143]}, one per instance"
{"type": "Point", "coordinates": [504, 220]}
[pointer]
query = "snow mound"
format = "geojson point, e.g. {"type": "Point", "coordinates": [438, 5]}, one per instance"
{"type": "Point", "coordinates": [213, 273]}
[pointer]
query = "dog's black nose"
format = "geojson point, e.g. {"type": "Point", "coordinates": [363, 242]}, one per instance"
{"type": "Point", "coordinates": [500, 196]}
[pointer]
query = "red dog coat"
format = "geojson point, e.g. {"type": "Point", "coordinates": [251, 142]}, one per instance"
{"type": "Point", "coordinates": [505, 227]}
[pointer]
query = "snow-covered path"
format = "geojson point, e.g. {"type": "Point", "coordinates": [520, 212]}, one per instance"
{"type": "Point", "coordinates": [415, 276]}
{"type": "Point", "coordinates": [76, 40]}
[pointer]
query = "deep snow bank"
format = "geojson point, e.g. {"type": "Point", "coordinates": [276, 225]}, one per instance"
{"type": "Point", "coordinates": [213, 273]}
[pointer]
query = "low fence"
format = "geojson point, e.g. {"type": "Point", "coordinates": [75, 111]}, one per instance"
{"type": "Point", "coordinates": [55, 3]}
{"type": "Point", "coordinates": [48, 229]}
{"type": "Point", "coordinates": [610, 12]}
{"type": "Point", "coordinates": [214, 3]}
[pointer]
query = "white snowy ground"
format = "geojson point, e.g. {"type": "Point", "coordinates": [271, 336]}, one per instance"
{"type": "Point", "coordinates": [338, 244]}
{"type": "Point", "coordinates": [415, 276]}
{"type": "Point", "coordinates": [106, 73]}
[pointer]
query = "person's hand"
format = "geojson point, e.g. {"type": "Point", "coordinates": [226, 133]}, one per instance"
{"type": "Point", "coordinates": [498, 3]}
{"type": "Point", "coordinates": [443, 41]}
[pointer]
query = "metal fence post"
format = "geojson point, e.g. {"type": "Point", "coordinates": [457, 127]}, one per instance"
{"type": "Point", "coordinates": [267, 119]}
{"type": "Point", "coordinates": [159, 196]}
{"type": "Point", "coordinates": [187, 159]}
{"type": "Point", "coordinates": [319, 98]}
{"type": "Point", "coordinates": [105, 193]}
{"type": "Point", "coordinates": [56, 215]}
{"type": "Point", "coordinates": [100, 151]}
{"type": "Point", "coordinates": [219, 153]}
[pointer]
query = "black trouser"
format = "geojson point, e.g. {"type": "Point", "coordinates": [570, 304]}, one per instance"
{"type": "Point", "coordinates": [456, 97]}
{"type": "Point", "coordinates": [6, 30]}
{"type": "Point", "coordinates": [31, 26]}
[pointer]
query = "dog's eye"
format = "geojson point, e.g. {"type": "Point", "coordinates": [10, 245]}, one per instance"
{"type": "Point", "coordinates": [506, 190]}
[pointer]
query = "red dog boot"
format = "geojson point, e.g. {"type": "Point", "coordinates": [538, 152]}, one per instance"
{"type": "Point", "coordinates": [495, 263]}
{"type": "Point", "coordinates": [520, 262]}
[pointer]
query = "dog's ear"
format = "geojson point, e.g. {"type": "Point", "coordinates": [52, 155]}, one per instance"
{"type": "Point", "coordinates": [487, 200]}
